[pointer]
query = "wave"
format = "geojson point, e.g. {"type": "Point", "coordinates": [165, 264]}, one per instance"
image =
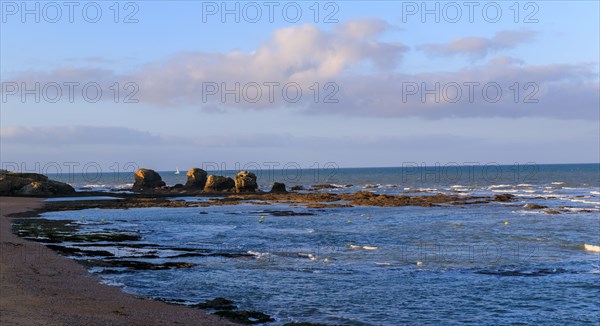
{"type": "Point", "coordinates": [585, 201]}
{"type": "Point", "coordinates": [351, 246]}
{"type": "Point", "coordinates": [592, 248]}
{"type": "Point", "coordinates": [558, 183]}
{"type": "Point", "coordinates": [307, 255]}
{"type": "Point", "coordinates": [498, 186]}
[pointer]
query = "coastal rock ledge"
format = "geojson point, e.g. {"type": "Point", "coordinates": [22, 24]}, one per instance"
{"type": "Point", "coordinates": [147, 179]}
{"type": "Point", "coordinates": [31, 184]}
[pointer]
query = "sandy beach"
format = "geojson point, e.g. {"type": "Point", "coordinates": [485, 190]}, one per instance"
{"type": "Point", "coordinates": [40, 287]}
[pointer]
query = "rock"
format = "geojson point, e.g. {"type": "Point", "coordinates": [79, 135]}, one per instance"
{"type": "Point", "coordinates": [324, 186]}
{"type": "Point", "coordinates": [217, 304]}
{"type": "Point", "coordinates": [535, 206]}
{"type": "Point", "coordinates": [245, 317]}
{"type": "Point", "coordinates": [278, 188]}
{"type": "Point", "coordinates": [245, 181]}
{"type": "Point", "coordinates": [219, 183]}
{"type": "Point", "coordinates": [196, 178]}
{"type": "Point", "coordinates": [504, 197]}
{"type": "Point", "coordinates": [178, 186]}
{"type": "Point", "coordinates": [31, 184]}
{"type": "Point", "coordinates": [294, 188]}
{"type": "Point", "coordinates": [147, 179]}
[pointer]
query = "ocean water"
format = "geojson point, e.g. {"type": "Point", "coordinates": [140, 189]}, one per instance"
{"type": "Point", "coordinates": [496, 263]}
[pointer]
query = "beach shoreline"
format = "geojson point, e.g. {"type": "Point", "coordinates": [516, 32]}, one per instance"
{"type": "Point", "coordinates": [39, 286]}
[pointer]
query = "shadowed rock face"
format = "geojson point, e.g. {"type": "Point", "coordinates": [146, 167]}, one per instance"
{"type": "Point", "coordinates": [147, 179]}
{"type": "Point", "coordinates": [196, 178]}
{"type": "Point", "coordinates": [218, 183]}
{"type": "Point", "coordinates": [31, 184]}
{"type": "Point", "coordinates": [278, 188]}
{"type": "Point", "coordinates": [245, 181]}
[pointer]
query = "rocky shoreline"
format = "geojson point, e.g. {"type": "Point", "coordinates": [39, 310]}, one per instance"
{"type": "Point", "coordinates": [63, 236]}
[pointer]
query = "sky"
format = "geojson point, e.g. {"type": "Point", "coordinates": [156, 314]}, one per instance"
{"type": "Point", "coordinates": [168, 84]}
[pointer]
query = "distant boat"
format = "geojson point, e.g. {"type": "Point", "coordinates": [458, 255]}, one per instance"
{"type": "Point", "coordinates": [176, 170]}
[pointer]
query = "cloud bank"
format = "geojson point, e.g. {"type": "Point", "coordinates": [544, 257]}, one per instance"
{"type": "Point", "coordinates": [350, 71]}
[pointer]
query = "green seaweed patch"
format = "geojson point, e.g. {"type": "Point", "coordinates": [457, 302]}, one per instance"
{"type": "Point", "coordinates": [72, 251]}
{"type": "Point", "coordinates": [134, 264]}
{"type": "Point", "coordinates": [102, 237]}
{"type": "Point", "coordinates": [43, 230]}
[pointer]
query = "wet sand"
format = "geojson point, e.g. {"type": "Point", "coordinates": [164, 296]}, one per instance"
{"type": "Point", "coordinates": [40, 287]}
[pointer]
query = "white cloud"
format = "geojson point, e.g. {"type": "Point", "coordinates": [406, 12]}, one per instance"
{"type": "Point", "coordinates": [479, 47]}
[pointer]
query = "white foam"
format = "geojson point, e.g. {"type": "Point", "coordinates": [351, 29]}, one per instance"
{"type": "Point", "coordinates": [558, 183]}
{"type": "Point", "coordinates": [306, 255]}
{"type": "Point", "coordinates": [370, 247]}
{"type": "Point", "coordinates": [595, 192]}
{"type": "Point", "coordinates": [585, 201]}
{"type": "Point", "coordinates": [258, 255]}
{"type": "Point", "coordinates": [592, 248]}
{"type": "Point", "coordinates": [498, 186]}
{"type": "Point", "coordinates": [523, 185]}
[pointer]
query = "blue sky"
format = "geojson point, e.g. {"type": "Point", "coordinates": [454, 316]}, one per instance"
{"type": "Point", "coordinates": [374, 55]}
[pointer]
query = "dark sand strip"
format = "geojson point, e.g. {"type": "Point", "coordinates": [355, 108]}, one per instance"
{"type": "Point", "coordinates": [39, 287]}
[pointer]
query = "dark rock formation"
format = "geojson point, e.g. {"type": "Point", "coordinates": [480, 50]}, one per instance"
{"type": "Point", "coordinates": [196, 178]}
{"type": "Point", "coordinates": [245, 181]}
{"type": "Point", "coordinates": [278, 188]}
{"type": "Point", "coordinates": [219, 183]}
{"type": "Point", "coordinates": [245, 317]}
{"type": "Point", "coordinates": [504, 197]}
{"type": "Point", "coordinates": [147, 179]}
{"type": "Point", "coordinates": [535, 206]}
{"type": "Point", "coordinates": [294, 188]}
{"type": "Point", "coordinates": [31, 184]}
{"type": "Point", "coordinates": [217, 304]}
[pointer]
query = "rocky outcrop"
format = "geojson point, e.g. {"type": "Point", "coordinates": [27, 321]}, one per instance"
{"type": "Point", "coordinates": [196, 179]}
{"type": "Point", "coordinates": [504, 197]}
{"type": "Point", "coordinates": [278, 187]}
{"type": "Point", "coordinates": [218, 183]}
{"type": "Point", "coordinates": [245, 181]}
{"type": "Point", "coordinates": [147, 179]}
{"type": "Point", "coordinates": [31, 184]}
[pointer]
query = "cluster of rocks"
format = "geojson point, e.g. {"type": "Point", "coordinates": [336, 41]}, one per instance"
{"type": "Point", "coordinates": [31, 184]}
{"type": "Point", "coordinates": [199, 180]}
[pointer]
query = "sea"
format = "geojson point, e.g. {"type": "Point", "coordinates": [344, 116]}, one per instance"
{"type": "Point", "coordinates": [490, 264]}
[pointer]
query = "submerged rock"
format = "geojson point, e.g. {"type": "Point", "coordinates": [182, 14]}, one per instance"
{"type": "Point", "coordinates": [196, 178]}
{"type": "Point", "coordinates": [216, 304]}
{"type": "Point", "coordinates": [245, 181]}
{"type": "Point", "coordinates": [31, 184]}
{"type": "Point", "coordinates": [147, 179]}
{"type": "Point", "coordinates": [504, 197]}
{"type": "Point", "coordinates": [245, 317]}
{"type": "Point", "coordinates": [218, 183]}
{"type": "Point", "coordinates": [278, 188]}
{"type": "Point", "coordinates": [535, 206]}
